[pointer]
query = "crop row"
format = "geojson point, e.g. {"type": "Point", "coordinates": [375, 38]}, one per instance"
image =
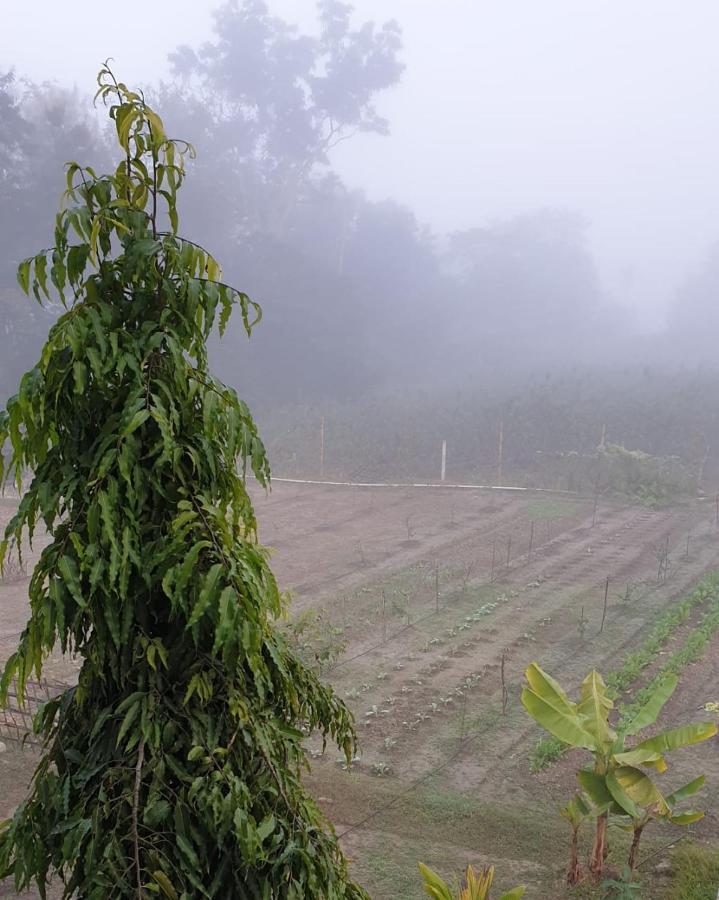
{"type": "Point", "coordinates": [691, 651]}
{"type": "Point", "coordinates": [548, 750]}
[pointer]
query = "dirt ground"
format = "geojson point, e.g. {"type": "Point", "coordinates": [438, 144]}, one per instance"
{"type": "Point", "coordinates": [430, 590]}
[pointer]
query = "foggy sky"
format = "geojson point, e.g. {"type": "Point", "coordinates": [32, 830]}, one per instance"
{"type": "Point", "coordinates": [603, 106]}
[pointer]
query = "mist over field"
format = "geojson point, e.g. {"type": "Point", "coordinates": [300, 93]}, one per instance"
{"type": "Point", "coordinates": [471, 200]}
{"type": "Point", "coordinates": [292, 544]}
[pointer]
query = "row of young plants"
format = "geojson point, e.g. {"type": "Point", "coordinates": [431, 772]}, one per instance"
{"type": "Point", "coordinates": [549, 750]}
{"type": "Point", "coordinates": [691, 651]}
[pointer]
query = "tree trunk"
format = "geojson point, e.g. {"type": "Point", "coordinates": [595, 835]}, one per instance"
{"type": "Point", "coordinates": [631, 862]}
{"type": "Point", "coordinates": [599, 850]}
{"type": "Point", "coordinates": [574, 872]}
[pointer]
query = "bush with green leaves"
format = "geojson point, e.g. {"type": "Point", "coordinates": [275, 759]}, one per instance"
{"type": "Point", "coordinates": [173, 767]}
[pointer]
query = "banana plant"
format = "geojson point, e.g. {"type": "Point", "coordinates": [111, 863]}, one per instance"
{"type": "Point", "coordinates": [576, 812]}
{"type": "Point", "coordinates": [643, 803]}
{"type": "Point", "coordinates": [586, 725]}
{"type": "Point", "coordinates": [476, 886]}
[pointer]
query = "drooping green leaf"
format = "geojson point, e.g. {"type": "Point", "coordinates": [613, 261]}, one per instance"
{"type": "Point", "coordinates": [683, 736]}
{"type": "Point", "coordinates": [648, 714]}
{"type": "Point", "coordinates": [569, 727]}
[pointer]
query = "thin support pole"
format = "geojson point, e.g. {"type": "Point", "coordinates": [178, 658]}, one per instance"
{"type": "Point", "coordinates": [531, 539]}
{"type": "Point", "coordinates": [505, 692]}
{"type": "Point", "coordinates": [322, 447]}
{"type": "Point", "coordinates": [604, 610]}
{"type": "Point", "coordinates": [500, 455]}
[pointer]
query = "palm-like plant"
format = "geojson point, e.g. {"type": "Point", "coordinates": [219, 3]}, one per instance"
{"type": "Point", "coordinates": [643, 803]}
{"type": "Point", "coordinates": [614, 783]}
{"type": "Point", "coordinates": [476, 885]}
{"type": "Point", "coordinates": [576, 812]}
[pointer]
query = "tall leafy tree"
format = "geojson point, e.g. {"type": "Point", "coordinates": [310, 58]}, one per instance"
{"type": "Point", "coordinates": [41, 126]}
{"type": "Point", "coordinates": [276, 101]}
{"type": "Point", "coordinates": [268, 101]}
{"type": "Point", "coordinates": [173, 767]}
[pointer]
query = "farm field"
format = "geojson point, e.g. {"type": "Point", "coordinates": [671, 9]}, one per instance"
{"type": "Point", "coordinates": [426, 596]}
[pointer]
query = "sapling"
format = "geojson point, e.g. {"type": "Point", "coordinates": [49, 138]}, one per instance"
{"type": "Point", "coordinates": [174, 766]}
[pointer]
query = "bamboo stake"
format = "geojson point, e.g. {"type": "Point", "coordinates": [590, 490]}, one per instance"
{"type": "Point", "coordinates": [604, 610]}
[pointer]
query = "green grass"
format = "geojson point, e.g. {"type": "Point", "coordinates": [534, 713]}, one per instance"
{"type": "Point", "coordinates": [544, 508]}
{"type": "Point", "coordinates": [446, 830]}
{"type": "Point", "coordinates": [546, 751]}
{"type": "Point", "coordinates": [696, 873]}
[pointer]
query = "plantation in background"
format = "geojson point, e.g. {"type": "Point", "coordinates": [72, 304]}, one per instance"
{"type": "Point", "coordinates": [639, 435]}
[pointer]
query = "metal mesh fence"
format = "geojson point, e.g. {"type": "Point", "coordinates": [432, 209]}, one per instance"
{"type": "Point", "coordinates": [16, 718]}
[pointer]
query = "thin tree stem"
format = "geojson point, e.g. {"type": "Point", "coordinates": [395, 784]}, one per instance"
{"type": "Point", "coordinates": [135, 811]}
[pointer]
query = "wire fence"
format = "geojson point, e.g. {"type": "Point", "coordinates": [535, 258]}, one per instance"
{"type": "Point", "coordinates": [16, 717]}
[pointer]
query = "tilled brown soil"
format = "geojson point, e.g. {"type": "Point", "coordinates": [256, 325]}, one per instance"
{"type": "Point", "coordinates": [424, 678]}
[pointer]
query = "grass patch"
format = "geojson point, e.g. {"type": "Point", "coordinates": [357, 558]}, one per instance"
{"type": "Point", "coordinates": [394, 875]}
{"type": "Point", "coordinates": [552, 508]}
{"type": "Point", "coordinates": [546, 751]}
{"type": "Point", "coordinates": [696, 872]}
{"type": "Point", "coordinates": [446, 830]}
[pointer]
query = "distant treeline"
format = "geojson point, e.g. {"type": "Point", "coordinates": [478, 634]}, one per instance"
{"type": "Point", "coordinates": [358, 296]}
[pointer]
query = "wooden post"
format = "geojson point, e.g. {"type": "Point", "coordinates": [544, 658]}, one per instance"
{"type": "Point", "coordinates": [494, 550]}
{"type": "Point", "coordinates": [509, 550]}
{"type": "Point", "coordinates": [384, 617]}
{"type": "Point", "coordinates": [500, 454]}
{"type": "Point", "coordinates": [604, 610]}
{"type": "Point", "coordinates": [594, 513]}
{"type": "Point", "coordinates": [505, 692]}
{"type": "Point", "coordinates": [436, 584]}
{"type": "Point", "coordinates": [531, 539]}
{"type": "Point", "coordinates": [444, 460]}
{"type": "Point", "coordinates": [322, 447]}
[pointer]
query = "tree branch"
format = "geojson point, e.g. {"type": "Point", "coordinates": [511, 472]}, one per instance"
{"type": "Point", "coordinates": [135, 809]}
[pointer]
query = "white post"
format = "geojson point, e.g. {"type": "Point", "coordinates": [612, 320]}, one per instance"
{"type": "Point", "coordinates": [322, 447]}
{"type": "Point", "coordinates": [444, 459]}
{"type": "Point", "coordinates": [500, 451]}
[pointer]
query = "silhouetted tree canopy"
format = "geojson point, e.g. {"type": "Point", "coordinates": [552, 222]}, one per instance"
{"type": "Point", "coordinates": [358, 294]}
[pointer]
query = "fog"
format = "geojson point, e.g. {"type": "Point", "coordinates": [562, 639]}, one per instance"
{"type": "Point", "coordinates": [466, 198]}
